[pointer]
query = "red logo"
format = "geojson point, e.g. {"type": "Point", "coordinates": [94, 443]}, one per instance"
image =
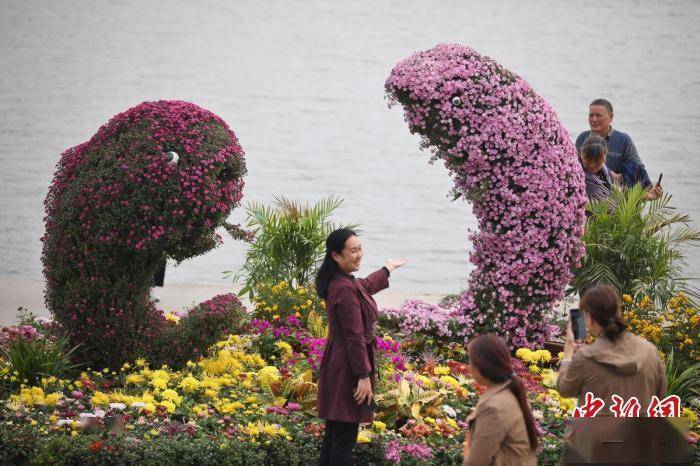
{"type": "Point", "coordinates": [591, 406]}
{"type": "Point", "coordinates": [668, 407]}
{"type": "Point", "coordinates": [622, 408]}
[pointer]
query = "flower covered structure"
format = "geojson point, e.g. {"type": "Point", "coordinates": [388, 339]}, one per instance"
{"type": "Point", "coordinates": [513, 160]}
{"type": "Point", "coordinates": [154, 182]}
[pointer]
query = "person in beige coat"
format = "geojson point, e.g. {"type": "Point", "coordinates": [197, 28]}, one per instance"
{"type": "Point", "coordinates": [501, 428]}
{"type": "Point", "coordinates": [616, 363]}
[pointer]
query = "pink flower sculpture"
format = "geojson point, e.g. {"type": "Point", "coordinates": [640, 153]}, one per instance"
{"type": "Point", "coordinates": [155, 181]}
{"type": "Point", "coordinates": [511, 157]}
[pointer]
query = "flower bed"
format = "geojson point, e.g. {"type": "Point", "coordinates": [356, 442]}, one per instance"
{"type": "Point", "coordinates": [251, 400]}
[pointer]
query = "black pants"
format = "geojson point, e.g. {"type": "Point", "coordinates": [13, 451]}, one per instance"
{"type": "Point", "coordinates": [338, 442]}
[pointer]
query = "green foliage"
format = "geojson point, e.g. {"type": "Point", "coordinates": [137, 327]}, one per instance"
{"type": "Point", "coordinates": [289, 242]}
{"type": "Point", "coordinates": [33, 359]}
{"type": "Point", "coordinates": [179, 449]}
{"type": "Point", "coordinates": [636, 246]}
{"type": "Point", "coordinates": [683, 380]}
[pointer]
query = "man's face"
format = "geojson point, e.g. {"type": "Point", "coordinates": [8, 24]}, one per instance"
{"type": "Point", "coordinates": [599, 119]}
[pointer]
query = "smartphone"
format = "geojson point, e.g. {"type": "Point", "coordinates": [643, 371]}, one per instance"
{"type": "Point", "coordinates": [371, 407]}
{"type": "Point", "coordinates": [658, 183]}
{"type": "Point", "coordinates": [578, 325]}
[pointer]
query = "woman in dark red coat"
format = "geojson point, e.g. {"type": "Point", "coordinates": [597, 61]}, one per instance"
{"type": "Point", "coordinates": [347, 374]}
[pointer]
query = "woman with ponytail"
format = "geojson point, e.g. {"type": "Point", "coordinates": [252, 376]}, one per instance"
{"type": "Point", "coordinates": [501, 428]}
{"type": "Point", "coordinates": [616, 363]}
{"type": "Point", "coordinates": [347, 375]}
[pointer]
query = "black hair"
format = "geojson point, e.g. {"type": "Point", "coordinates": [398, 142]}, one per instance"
{"type": "Point", "coordinates": [603, 304]}
{"type": "Point", "coordinates": [603, 102]}
{"type": "Point", "coordinates": [335, 242]}
{"type": "Point", "coordinates": [594, 149]}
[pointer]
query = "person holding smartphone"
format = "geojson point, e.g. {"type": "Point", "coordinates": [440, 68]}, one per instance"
{"type": "Point", "coordinates": [616, 363]}
{"type": "Point", "coordinates": [598, 177]}
{"type": "Point", "coordinates": [347, 375]}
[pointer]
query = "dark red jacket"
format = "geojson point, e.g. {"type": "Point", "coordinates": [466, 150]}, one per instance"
{"type": "Point", "coordinates": [349, 351]}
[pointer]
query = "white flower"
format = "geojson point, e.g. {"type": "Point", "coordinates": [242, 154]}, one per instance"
{"type": "Point", "coordinates": [537, 414]}
{"type": "Point", "coordinates": [64, 422]}
{"type": "Point", "coordinates": [138, 404]}
{"type": "Point", "coordinates": [87, 415]}
{"type": "Point", "coordinates": [449, 410]}
{"type": "Point", "coordinates": [117, 406]}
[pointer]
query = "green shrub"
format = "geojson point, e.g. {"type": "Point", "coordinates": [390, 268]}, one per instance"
{"type": "Point", "coordinates": [683, 379]}
{"type": "Point", "coordinates": [636, 246]}
{"type": "Point", "coordinates": [31, 359]}
{"type": "Point", "coordinates": [289, 242]}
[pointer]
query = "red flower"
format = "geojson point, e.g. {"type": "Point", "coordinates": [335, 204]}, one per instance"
{"type": "Point", "coordinates": [96, 446]}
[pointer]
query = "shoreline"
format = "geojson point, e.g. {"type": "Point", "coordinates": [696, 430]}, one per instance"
{"type": "Point", "coordinates": [28, 293]}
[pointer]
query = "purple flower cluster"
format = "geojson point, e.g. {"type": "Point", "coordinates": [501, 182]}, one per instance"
{"type": "Point", "coordinates": [313, 347]}
{"type": "Point", "coordinates": [392, 350]}
{"type": "Point", "coordinates": [419, 451]}
{"type": "Point", "coordinates": [18, 332]}
{"type": "Point", "coordinates": [510, 156]}
{"type": "Point", "coordinates": [121, 202]}
{"type": "Point", "coordinates": [418, 317]}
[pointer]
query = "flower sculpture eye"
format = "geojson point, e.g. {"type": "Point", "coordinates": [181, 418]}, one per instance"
{"type": "Point", "coordinates": [456, 101]}
{"type": "Point", "coordinates": [172, 157]}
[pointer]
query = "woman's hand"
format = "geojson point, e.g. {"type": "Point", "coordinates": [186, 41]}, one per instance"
{"type": "Point", "coordinates": [363, 392]}
{"type": "Point", "coordinates": [571, 345]}
{"type": "Point", "coordinates": [393, 264]}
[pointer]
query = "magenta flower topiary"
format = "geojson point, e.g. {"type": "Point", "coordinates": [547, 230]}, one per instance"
{"type": "Point", "coordinates": [510, 156]}
{"type": "Point", "coordinates": [155, 181]}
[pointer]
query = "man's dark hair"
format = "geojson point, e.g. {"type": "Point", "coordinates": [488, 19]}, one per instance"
{"type": "Point", "coordinates": [604, 103]}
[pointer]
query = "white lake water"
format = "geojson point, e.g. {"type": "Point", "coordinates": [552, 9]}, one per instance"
{"type": "Point", "coordinates": [302, 85]}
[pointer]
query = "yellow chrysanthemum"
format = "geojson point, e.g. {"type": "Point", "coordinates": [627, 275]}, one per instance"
{"type": "Point", "coordinates": [451, 381]}
{"type": "Point", "coordinates": [284, 347]}
{"type": "Point", "coordinates": [379, 426]}
{"type": "Point", "coordinates": [171, 395]}
{"type": "Point", "coordinates": [524, 354]}
{"type": "Point", "coordinates": [189, 384]}
{"type": "Point", "coordinates": [159, 383]}
{"type": "Point", "coordinates": [167, 404]}
{"type": "Point", "coordinates": [100, 399]}
{"type": "Point", "coordinates": [52, 398]}
{"type": "Point", "coordinates": [134, 379]}
{"type": "Point", "coordinates": [268, 375]}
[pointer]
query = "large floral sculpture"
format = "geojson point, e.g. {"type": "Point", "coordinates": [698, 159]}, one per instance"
{"type": "Point", "coordinates": [154, 182]}
{"type": "Point", "coordinates": [511, 157]}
